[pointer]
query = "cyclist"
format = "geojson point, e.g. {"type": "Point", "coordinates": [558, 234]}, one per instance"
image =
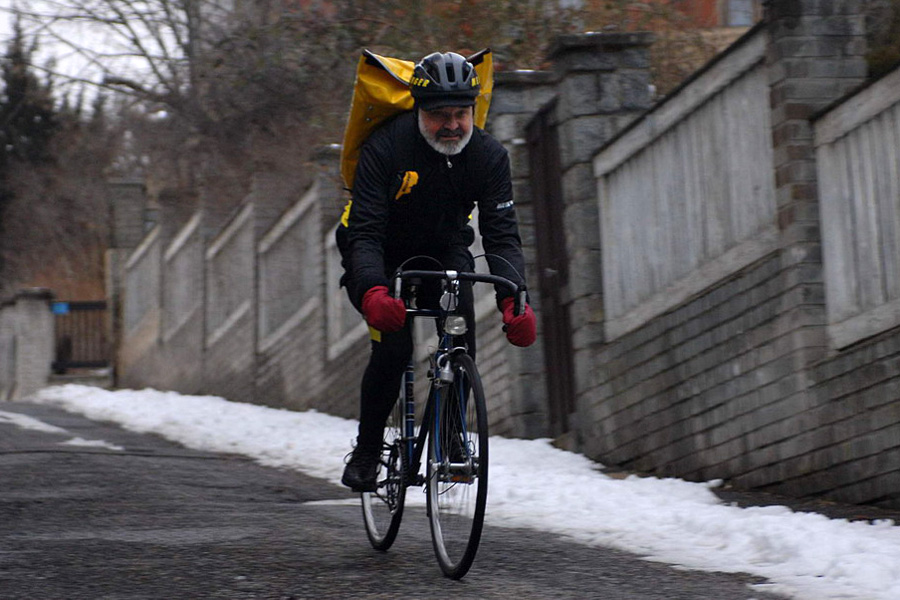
{"type": "Point", "coordinates": [418, 178]}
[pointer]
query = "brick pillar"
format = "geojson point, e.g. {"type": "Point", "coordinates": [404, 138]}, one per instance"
{"type": "Point", "coordinates": [326, 162]}
{"type": "Point", "coordinates": [815, 56]}
{"type": "Point", "coordinates": [598, 84]}
{"type": "Point", "coordinates": [604, 83]}
{"type": "Point", "coordinates": [128, 223]}
{"type": "Point", "coordinates": [518, 95]}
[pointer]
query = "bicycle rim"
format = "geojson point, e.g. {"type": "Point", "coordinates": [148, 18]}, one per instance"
{"type": "Point", "coordinates": [457, 469]}
{"type": "Point", "coordinates": [383, 509]}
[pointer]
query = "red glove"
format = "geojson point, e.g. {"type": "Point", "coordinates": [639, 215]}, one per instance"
{"type": "Point", "coordinates": [521, 330]}
{"type": "Point", "coordinates": [383, 312]}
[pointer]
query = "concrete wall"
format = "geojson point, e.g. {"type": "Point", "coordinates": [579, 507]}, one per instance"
{"type": "Point", "coordinates": [26, 343]}
{"type": "Point", "coordinates": [248, 308]}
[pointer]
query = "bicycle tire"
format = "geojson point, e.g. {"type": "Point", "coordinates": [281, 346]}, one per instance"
{"type": "Point", "coordinates": [383, 509]}
{"type": "Point", "coordinates": [457, 469]}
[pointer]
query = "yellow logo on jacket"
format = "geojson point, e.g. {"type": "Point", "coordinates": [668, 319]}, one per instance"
{"type": "Point", "coordinates": [345, 216]}
{"type": "Point", "coordinates": [410, 179]}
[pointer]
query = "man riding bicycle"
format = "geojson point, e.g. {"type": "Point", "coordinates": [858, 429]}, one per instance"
{"type": "Point", "coordinates": [418, 179]}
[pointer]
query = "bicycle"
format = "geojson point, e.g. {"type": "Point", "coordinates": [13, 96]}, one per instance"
{"type": "Point", "coordinates": [453, 431]}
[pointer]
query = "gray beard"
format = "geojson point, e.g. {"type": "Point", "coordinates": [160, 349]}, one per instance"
{"type": "Point", "coordinates": [442, 146]}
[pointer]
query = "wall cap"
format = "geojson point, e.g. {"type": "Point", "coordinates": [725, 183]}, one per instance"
{"type": "Point", "coordinates": [600, 40]}
{"type": "Point", "coordinates": [33, 293]}
{"type": "Point", "coordinates": [126, 182]}
{"type": "Point", "coordinates": [524, 77]}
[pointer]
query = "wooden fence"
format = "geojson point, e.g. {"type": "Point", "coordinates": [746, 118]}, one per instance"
{"type": "Point", "coordinates": [858, 154]}
{"type": "Point", "coordinates": [687, 195]}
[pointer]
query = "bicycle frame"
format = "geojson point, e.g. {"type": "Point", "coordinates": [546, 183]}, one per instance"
{"type": "Point", "coordinates": [414, 445]}
{"type": "Point", "coordinates": [452, 441]}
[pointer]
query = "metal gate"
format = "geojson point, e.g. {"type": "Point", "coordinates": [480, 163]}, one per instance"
{"type": "Point", "coordinates": [82, 336]}
{"type": "Point", "coordinates": [552, 266]}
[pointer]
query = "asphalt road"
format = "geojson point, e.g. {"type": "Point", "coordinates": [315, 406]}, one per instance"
{"type": "Point", "coordinates": [157, 521]}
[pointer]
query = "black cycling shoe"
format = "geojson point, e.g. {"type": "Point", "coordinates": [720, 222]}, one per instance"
{"type": "Point", "coordinates": [361, 472]}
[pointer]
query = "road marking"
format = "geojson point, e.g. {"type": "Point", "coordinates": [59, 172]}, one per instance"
{"type": "Point", "coordinates": [92, 444]}
{"type": "Point", "coordinates": [26, 422]}
{"type": "Point", "coordinates": [30, 423]}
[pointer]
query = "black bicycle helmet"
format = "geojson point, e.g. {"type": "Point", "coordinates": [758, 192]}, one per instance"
{"type": "Point", "coordinates": [444, 80]}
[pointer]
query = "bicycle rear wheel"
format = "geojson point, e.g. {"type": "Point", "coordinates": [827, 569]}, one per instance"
{"type": "Point", "coordinates": [457, 468]}
{"type": "Point", "coordinates": [383, 509]}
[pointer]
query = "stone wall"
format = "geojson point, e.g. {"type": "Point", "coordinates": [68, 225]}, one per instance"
{"type": "Point", "coordinates": [728, 370]}
{"type": "Point", "coordinates": [699, 356]}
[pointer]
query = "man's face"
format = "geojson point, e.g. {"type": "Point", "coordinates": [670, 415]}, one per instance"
{"type": "Point", "coordinates": [447, 129]}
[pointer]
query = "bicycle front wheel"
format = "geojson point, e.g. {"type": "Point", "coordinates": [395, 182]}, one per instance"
{"type": "Point", "coordinates": [383, 508]}
{"type": "Point", "coordinates": [457, 470]}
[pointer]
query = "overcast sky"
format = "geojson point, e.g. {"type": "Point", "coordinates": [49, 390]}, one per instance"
{"type": "Point", "coordinates": [68, 63]}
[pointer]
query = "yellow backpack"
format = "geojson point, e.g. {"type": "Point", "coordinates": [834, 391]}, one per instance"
{"type": "Point", "coordinates": [382, 91]}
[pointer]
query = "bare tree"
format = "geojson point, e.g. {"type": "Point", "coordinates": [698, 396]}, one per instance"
{"type": "Point", "coordinates": [137, 47]}
{"type": "Point", "coordinates": [54, 215]}
{"type": "Point", "coordinates": [213, 87]}
{"type": "Point", "coordinates": [212, 61]}
{"type": "Point", "coordinates": [224, 85]}
{"type": "Point", "coordinates": [55, 224]}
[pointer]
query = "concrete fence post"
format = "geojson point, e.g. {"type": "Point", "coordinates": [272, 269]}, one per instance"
{"type": "Point", "coordinates": [26, 343]}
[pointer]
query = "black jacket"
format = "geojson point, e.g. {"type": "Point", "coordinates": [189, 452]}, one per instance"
{"type": "Point", "coordinates": [388, 221]}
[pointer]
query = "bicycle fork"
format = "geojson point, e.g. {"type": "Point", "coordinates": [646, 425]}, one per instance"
{"type": "Point", "coordinates": [450, 421]}
{"type": "Point", "coordinates": [414, 446]}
